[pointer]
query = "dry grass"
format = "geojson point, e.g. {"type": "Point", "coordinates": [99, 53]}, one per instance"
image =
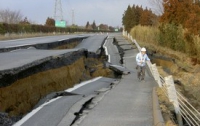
{"type": "Point", "coordinates": [182, 60]}
{"type": "Point", "coordinates": [149, 37]}
{"type": "Point", "coordinates": [145, 34]}
{"type": "Point", "coordinates": [196, 40]}
{"type": "Point", "coordinates": [185, 68]}
{"type": "Point", "coordinates": [23, 94]}
{"type": "Point", "coordinates": [166, 108]}
{"type": "Point", "coordinates": [68, 46]}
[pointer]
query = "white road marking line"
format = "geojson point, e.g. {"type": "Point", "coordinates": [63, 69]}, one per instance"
{"type": "Point", "coordinates": [20, 45]}
{"type": "Point", "coordinates": [29, 115]}
{"type": "Point", "coordinates": [106, 50]}
{"type": "Point", "coordinates": [62, 39]}
{"type": "Point", "coordinates": [82, 84]}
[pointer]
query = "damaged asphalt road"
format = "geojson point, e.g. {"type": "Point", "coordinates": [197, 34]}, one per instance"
{"type": "Point", "coordinates": [51, 113]}
{"type": "Point", "coordinates": [46, 42]}
{"type": "Point", "coordinates": [66, 107]}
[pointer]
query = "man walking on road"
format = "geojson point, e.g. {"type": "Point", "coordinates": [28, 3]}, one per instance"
{"type": "Point", "coordinates": [141, 59]}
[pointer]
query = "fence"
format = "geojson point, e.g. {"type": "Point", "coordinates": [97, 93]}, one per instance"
{"type": "Point", "coordinates": [183, 109]}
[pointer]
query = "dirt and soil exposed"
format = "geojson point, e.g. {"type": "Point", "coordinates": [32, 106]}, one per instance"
{"type": "Point", "coordinates": [20, 96]}
{"type": "Point", "coordinates": [185, 71]}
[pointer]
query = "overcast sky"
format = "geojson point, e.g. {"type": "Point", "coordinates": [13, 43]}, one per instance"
{"type": "Point", "coordinates": [101, 11]}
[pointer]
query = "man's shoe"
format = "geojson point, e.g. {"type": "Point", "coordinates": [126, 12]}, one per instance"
{"type": "Point", "coordinates": [142, 80]}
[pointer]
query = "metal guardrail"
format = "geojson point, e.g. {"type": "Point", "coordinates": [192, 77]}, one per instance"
{"type": "Point", "coordinates": [183, 108]}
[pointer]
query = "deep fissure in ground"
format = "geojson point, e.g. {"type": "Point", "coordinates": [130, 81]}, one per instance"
{"type": "Point", "coordinates": [21, 95]}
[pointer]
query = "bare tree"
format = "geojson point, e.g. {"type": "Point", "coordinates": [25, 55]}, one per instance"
{"type": "Point", "coordinates": [10, 17]}
{"type": "Point", "coordinates": [157, 6]}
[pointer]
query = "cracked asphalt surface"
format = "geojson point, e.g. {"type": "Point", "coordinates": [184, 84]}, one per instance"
{"type": "Point", "coordinates": [129, 103]}
{"type": "Point", "coordinates": [126, 103]}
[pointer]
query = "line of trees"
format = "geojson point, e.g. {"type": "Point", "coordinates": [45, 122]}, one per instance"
{"type": "Point", "coordinates": [91, 26]}
{"type": "Point", "coordinates": [10, 17]}
{"type": "Point", "coordinates": [182, 12]}
{"type": "Point", "coordinates": [13, 22]}
{"type": "Point", "coordinates": [105, 27]}
{"type": "Point", "coordinates": [32, 28]}
{"type": "Point", "coordinates": [177, 23]}
{"type": "Point", "coordinates": [180, 26]}
{"type": "Point", "coordinates": [136, 15]}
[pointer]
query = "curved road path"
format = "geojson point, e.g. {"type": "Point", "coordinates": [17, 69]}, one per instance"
{"type": "Point", "coordinates": [125, 103]}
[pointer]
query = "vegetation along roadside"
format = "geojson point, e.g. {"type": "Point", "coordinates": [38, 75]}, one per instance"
{"type": "Point", "coordinates": [172, 39]}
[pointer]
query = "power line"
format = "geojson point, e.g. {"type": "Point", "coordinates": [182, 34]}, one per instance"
{"type": "Point", "coordinates": [58, 13]}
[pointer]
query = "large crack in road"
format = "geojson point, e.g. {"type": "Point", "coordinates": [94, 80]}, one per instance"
{"type": "Point", "coordinates": [90, 104]}
{"type": "Point", "coordinates": [21, 91]}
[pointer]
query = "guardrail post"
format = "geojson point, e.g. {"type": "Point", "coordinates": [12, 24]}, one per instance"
{"type": "Point", "coordinates": [173, 97]}
{"type": "Point", "coordinates": [131, 38]}
{"type": "Point", "coordinates": [134, 41]}
{"type": "Point", "coordinates": [150, 67]}
{"type": "Point", "coordinates": [156, 75]}
{"type": "Point", "coordinates": [123, 33]}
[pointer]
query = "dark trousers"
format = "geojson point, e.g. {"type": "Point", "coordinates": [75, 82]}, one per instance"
{"type": "Point", "coordinates": [141, 72]}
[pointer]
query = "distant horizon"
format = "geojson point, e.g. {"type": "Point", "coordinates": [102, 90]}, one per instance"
{"type": "Point", "coordinates": [102, 12]}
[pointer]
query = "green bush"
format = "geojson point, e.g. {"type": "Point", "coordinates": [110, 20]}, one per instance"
{"type": "Point", "coordinates": [172, 36]}
{"type": "Point", "coordinates": [2, 29]}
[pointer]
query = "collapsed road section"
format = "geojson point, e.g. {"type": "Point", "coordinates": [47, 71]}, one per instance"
{"type": "Point", "coordinates": [25, 62]}
{"type": "Point", "coordinates": [44, 72]}
{"type": "Point", "coordinates": [93, 44]}
{"type": "Point", "coordinates": [28, 75]}
{"type": "Point", "coordinates": [63, 110]}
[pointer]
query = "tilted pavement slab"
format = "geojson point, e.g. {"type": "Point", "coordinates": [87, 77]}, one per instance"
{"type": "Point", "coordinates": [60, 110]}
{"type": "Point", "coordinates": [129, 103]}
{"type": "Point", "coordinates": [92, 43]}
{"type": "Point", "coordinates": [21, 57]}
{"type": "Point", "coordinates": [112, 51]}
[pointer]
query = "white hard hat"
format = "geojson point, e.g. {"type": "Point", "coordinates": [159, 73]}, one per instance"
{"type": "Point", "coordinates": [143, 49]}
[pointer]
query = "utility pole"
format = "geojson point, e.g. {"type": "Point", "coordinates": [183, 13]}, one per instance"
{"type": "Point", "coordinates": [58, 14]}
